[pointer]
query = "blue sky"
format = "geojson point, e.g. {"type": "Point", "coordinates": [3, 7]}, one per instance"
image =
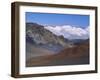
{"type": "Point", "coordinates": [58, 19]}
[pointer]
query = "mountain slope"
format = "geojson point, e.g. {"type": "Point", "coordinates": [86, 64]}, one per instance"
{"type": "Point", "coordinates": [43, 48]}
{"type": "Point", "coordinates": [36, 34]}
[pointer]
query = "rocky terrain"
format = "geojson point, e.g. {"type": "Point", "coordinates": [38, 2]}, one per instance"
{"type": "Point", "coordinates": [43, 48]}
{"type": "Point", "coordinates": [39, 35]}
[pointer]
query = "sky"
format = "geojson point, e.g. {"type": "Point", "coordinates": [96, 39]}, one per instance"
{"type": "Point", "coordinates": [58, 19]}
{"type": "Point", "coordinates": [71, 26]}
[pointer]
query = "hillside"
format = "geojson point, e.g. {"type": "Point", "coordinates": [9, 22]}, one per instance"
{"type": "Point", "coordinates": [40, 41]}
{"type": "Point", "coordinates": [43, 48]}
{"type": "Point", "coordinates": [39, 35]}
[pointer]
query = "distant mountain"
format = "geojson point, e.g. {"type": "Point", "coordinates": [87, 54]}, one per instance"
{"type": "Point", "coordinates": [79, 41]}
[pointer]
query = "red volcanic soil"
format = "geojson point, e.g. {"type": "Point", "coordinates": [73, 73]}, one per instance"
{"type": "Point", "coordinates": [69, 56]}
{"type": "Point", "coordinates": [77, 51]}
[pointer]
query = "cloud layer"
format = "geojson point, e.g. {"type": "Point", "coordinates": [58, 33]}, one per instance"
{"type": "Point", "coordinates": [69, 32]}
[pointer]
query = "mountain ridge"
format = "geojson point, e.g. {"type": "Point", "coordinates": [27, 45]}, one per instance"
{"type": "Point", "coordinates": [40, 36]}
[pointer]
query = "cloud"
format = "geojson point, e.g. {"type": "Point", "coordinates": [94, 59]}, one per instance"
{"type": "Point", "coordinates": [69, 32]}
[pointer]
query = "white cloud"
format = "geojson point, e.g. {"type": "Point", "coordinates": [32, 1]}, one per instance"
{"type": "Point", "coordinates": [70, 32]}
